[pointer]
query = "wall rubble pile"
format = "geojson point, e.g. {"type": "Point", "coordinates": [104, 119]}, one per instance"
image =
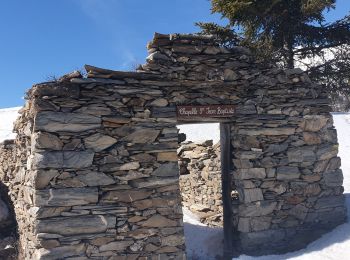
{"type": "Point", "coordinates": [200, 180]}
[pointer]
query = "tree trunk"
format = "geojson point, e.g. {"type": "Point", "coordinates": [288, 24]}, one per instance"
{"type": "Point", "coordinates": [289, 53]}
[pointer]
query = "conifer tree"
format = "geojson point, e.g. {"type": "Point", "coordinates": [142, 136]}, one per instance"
{"type": "Point", "coordinates": [289, 32]}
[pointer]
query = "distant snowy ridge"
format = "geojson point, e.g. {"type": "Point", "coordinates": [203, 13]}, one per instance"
{"type": "Point", "coordinates": [7, 118]}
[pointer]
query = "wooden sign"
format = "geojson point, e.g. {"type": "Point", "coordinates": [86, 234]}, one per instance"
{"type": "Point", "coordinates": [188, 112]}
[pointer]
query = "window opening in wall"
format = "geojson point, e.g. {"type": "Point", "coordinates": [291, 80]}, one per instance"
{"type": "Point", "coordinates": [201, 189]}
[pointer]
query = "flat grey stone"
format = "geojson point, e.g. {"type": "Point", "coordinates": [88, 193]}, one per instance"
{"type": "Point", "coordinates": [277, 148]}
{"type": "Point", "coordinates": [330, 202]}
{"type": "Point", "coordinates": [160, 102]}
{"type": "Point", "coordinates": [159, 221]}
{"type": "Point", "coordinates": [132, 175]}
{"type": "Point", "coordinates": [95, 179]}
{"type": "Point", "coordinates": [167, 170]}
{"type": "Point", "coordinates": [154, 182]}
{"type": "Point", "coordinates": [250, 173]}
{"type": "Point", "coordinates": [260, 223]}
{"type": "Point", "coordinates": [187, 49]}
{"type": "Point", "coordinates": [54, 89]}
{"type": "Point", "coordinates": [261, 237]}
{"type": "Point", "coordinates": [173, 240]}
{"type": "Point", "coordinates": [116, 246]}
{"type": "Point", "coordinates": [90, 224]}
{"type": "Point", "coordinates": [250, 195]}
{"type": "Point", "coordinates": [333, 179]}
{"type": "Point", "coordinates": [97, 80]}
{"type": "Point", "coordinates": [43, 178]}
{"type": "Point", "coordinates": [43, 140]}
{"type": "Point", "coordinates": [268, 131]}
{"type": "Point", "coordinates": [312, 189]}
{"type": "Point", "coordinates": [95, 110]}
{"type": "Point", "coordinates": [277, 187]}
{"type": "Point", "coordinates": [61, 252]}
{"type": "Point", "coordinates": [64, 159]}
{"type": "Point", "coordinates": [212, 50]}
{"type": "Point", "coordinates": [333, 164]}
{"type": "Point", "coordinates": [142, 136]}
{"type": "Point", "coordinates": [230, 75]}
{"type": "Point", "coordinates": [129, 166]}
{"type": "Point", "coordinates": [302, 154]}
{"type": "Point", "coordinates": [256, 209]}
{"type": "Point", "coordinates": [66, 197]}
{"type": "Point", "coordinates": [248, 109]}
{"type": "Point", "coordinates": [314, 123]}
{"type": "Point", "coordinates": [288, 173]}
{"type": "Point", "coordinates": [65, 122]}
{"type": "Point", "coordinates": [99, 142]}
{"type": "Point", "coordinates": [299, 211]}
{"type": "Point", "coordinates": [49, 212]}
{"type": "Point", "coordinates": [296, 71]}
{"type": "Point", "coordinates": [157, 56]}
{"type": "Point", "coordinates": [327, 152]}
{"type": "Point", "coordinates": [126, 195]}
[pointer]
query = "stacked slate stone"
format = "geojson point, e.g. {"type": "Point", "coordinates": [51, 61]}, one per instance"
{"type": "Point", "coordinates": [96, 164]}
{"type": "Point", "coordinates": [7, 219]}
{"type": "Point", "coordinates": [200, 180]}
{"type": "Point", "coordinates": [12, 162]}
{"type": "Point", "coordinates": [98, 184]}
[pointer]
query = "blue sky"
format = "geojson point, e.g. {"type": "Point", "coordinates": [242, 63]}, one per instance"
{"type": "Point", "coordinates": [40, 39]}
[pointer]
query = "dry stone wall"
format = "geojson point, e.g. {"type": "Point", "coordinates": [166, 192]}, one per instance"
{"type": "Point", "coordinates": [96, 173]}
{"type": "Point", "coordinates": [287, 172]}
{"type": "Point", "coordinates": [200, 180]}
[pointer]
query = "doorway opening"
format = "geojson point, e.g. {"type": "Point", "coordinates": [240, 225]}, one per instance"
{"type": "Point", "coordinates": [199, 157]}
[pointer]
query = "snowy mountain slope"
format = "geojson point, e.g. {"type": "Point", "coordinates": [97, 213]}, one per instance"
{"type": "Point", "coordinates": [7, 117]}
{"type": "Point", "coordinates": [201, 132]}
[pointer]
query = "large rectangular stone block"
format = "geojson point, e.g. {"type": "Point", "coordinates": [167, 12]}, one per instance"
{"type": "Point", "coordinates": [90, 224]}
{"type": "Point", "coordinates": [60, 252]}
{"type": "Point", "coordinates": [250, 195]}
{"type": "Point", "coordinates": [66, 197]}
{"type": "Point", "coordinates": [252, 173]}
{"type": "Point", "coordinates": [65, 122]}
{"type": "Point", "coordinates": [260, 208]}
{"type": "Point", "coordinates": [287, 173]}
{"type": "Point", "coordinates": [330, 202]}
{"type": "Point", "coordinates": [62, 159]}
{"type": "Point", "coordinates": [268, 131]}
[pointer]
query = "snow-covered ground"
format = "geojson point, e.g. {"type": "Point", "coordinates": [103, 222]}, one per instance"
{"type": "Point", "coordinates": [7, 117]}
{"type": "Point", "coordinates": [205, 243]}
{"type": "Point", "coordinates": [335, 245]}
{"type": "Point", "coordinates": [202, 242]}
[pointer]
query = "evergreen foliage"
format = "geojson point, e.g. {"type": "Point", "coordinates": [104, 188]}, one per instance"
{"type": "Point", "coordinates": [289, 32]}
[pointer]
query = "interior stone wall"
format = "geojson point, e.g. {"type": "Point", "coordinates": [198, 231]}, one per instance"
{"type": "Point", "coordinates": [200, 180]}
{"type": "Point", "coordinates": [96, 162]}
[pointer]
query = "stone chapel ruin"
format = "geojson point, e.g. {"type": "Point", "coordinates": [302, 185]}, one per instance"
{"type": "Point", "coordinates": [93, 172]}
